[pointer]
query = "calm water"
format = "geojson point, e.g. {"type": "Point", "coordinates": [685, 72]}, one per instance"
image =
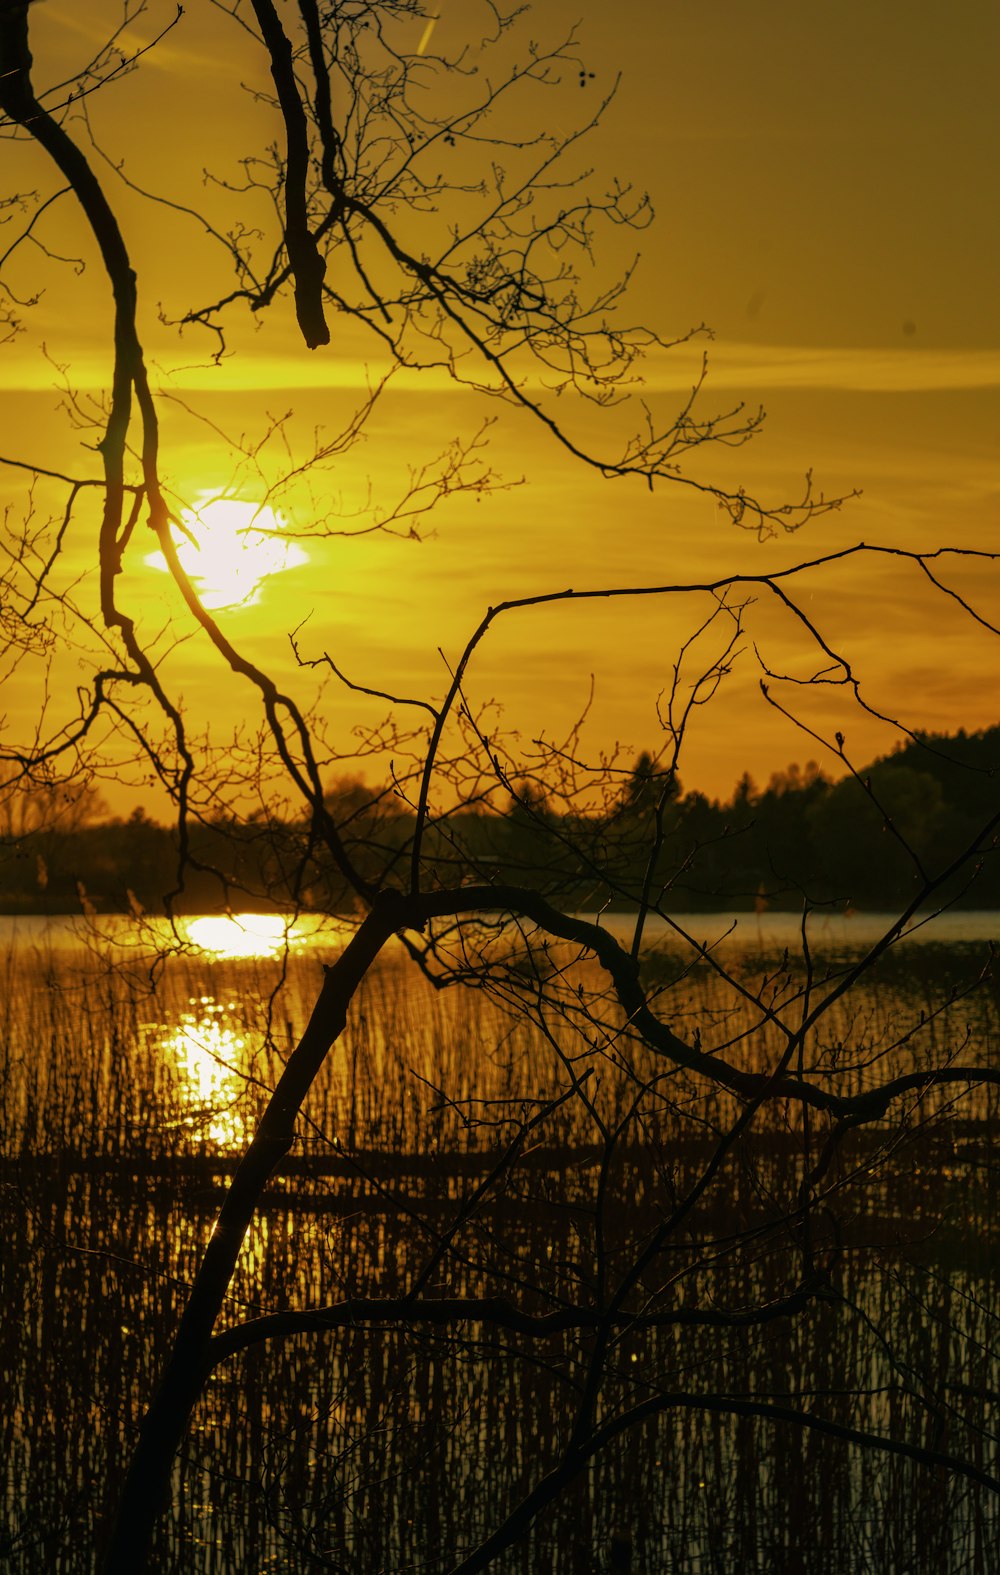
{"type": "Point", "coordinates": [130, 1080]}
{"type": "Point", "coordinates": [259, 934]}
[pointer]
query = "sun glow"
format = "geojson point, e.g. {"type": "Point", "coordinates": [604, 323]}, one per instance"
{"type": "Point", "coordinates": [249, 935]}
{"type": "Point", "coordinates": [229, 548]}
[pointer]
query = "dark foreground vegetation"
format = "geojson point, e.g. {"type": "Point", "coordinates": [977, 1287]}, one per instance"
{"type": "Point", "coordinates": [381, 1429]}
{"type": "Point", "coordinates": [849, 843]}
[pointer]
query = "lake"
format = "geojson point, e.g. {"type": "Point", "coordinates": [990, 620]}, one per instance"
{"type": "Point", "coordinates": [544, 1147]}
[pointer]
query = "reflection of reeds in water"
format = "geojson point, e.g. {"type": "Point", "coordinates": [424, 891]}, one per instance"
{"type": "Point", "coordinates": [123, 1104]}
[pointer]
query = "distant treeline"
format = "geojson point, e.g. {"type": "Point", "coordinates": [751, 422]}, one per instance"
{"type": "Point", "coordinates": [863, 842]}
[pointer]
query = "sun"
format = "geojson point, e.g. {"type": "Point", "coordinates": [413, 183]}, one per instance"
{"type": "Point", "coordinates": [229, 548]}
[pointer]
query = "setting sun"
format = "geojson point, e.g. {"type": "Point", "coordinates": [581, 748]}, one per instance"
{"type": "Point", "coordinates": [230, 548]}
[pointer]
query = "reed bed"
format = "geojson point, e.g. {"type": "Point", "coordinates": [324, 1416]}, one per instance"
{"type": "Point", "coordinates": [125, 1095]}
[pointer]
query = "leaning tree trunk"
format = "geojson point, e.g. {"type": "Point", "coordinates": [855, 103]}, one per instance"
{"type": "Point", "coordinates": [147, 1482]}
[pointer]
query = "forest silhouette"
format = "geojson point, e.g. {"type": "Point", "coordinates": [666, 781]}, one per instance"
{"type": "Point", "coordinates": [853, 843]}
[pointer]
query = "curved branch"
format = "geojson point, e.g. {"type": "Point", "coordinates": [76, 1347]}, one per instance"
{"type": "Point", "coordinates": [574, 1461]}
{"type": "Point", "coordinates": [497, 1311]}
{"type": "Point", "coordinates": [623, 971]}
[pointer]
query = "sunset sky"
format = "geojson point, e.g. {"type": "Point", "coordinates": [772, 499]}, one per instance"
{"type": "Point", "coordinates": [823, 179]}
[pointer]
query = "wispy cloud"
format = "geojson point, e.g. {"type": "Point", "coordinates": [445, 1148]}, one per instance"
{"type": "Point", "coordinates": [746, 368]}
{"type": "Point", "coordinates": [135, 37]}
{"type": "Point", "coordinates": [904, 369]}
{"type": "Point", "coordinates": [743, 367]}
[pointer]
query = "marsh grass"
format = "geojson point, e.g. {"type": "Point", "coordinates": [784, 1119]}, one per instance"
{"type": "Point", "coordinates": [125, 1095]}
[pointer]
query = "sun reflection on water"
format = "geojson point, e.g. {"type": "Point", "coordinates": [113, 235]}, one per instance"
{"type": "Point", "coordinates": [242, 935]}
{"type": "Point", "coordinates": [208, 1054]}
{"type": "Point", "coordinates": [209, 1050]}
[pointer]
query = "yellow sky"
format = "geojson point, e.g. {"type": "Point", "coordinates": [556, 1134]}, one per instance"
{"type": "Point", "coordinates": [822, 180]}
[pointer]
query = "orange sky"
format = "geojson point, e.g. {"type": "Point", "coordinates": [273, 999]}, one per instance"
{"type": "Point", "coordinates": [822, 180]}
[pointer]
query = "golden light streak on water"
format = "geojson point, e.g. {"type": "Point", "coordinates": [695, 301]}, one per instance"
{"type": "Point", "coordinates": [236, 936]}
{"type": "Point", "coordinates": [208, 1056]}
{"type": "Point", "coordinates": [242, 935]}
